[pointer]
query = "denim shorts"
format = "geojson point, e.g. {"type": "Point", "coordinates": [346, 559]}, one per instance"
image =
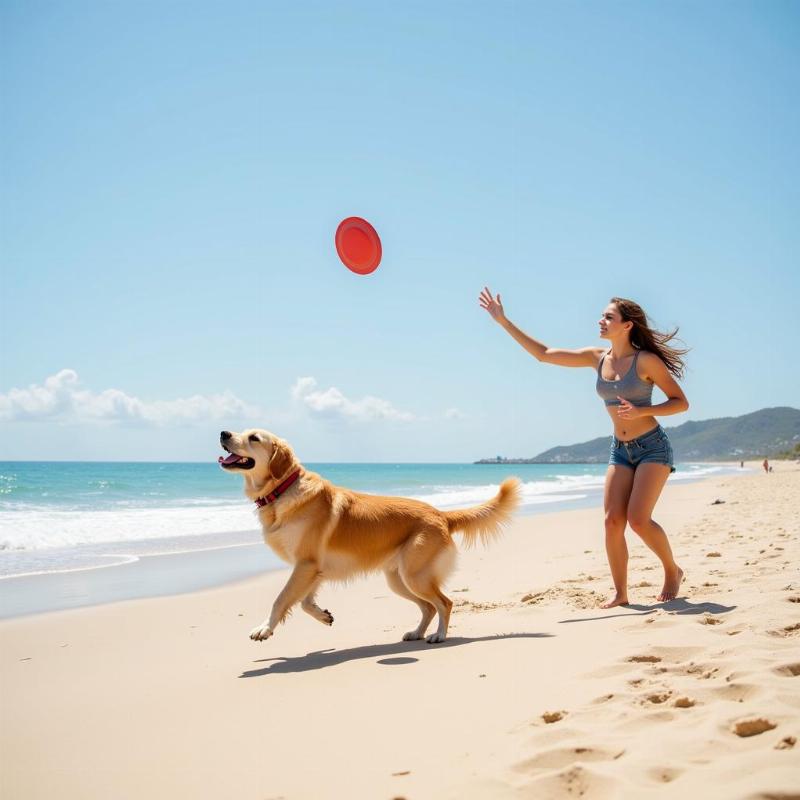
{"type": "Point", "coordinates": [651, 448]}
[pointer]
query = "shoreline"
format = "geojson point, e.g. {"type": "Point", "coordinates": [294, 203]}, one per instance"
{"type": "Point", "coordinates": [145, 576]}
{"type": "Point", "coordinates": [163, 574]}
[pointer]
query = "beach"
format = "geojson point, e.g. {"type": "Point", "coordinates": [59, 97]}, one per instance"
{"type": "Point", "coordinates": [538, 693]}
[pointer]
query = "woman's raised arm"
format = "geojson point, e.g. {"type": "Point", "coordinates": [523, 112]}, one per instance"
{"type": "Point", "coordinates": [584, 357]}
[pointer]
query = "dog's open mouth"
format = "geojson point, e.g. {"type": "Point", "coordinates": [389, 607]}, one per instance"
{"type": "Point", "coordinates": [235, 461]}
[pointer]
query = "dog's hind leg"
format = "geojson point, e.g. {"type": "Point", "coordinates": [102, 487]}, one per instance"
{"type": "Point", "coordinates": [427, 590]}
{"type": "Point", "coordinates": [422, 573]}
{"type": "Point", "coordinates": [428, 611]}
{"type": "Point", "coordinates": [301, 581]}
{"type": "Point", "coordinates": [309, 605]}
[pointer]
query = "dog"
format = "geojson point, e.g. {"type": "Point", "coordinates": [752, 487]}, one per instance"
{"type": "Point", "coordinates": [329, 533]}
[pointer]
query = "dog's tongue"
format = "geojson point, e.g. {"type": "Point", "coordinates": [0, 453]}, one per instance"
{"type": "Point", "coordinates": [231, 459]}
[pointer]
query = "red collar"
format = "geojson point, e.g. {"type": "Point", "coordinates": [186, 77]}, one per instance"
{"type": "Point", "coordinates": [277, 491]}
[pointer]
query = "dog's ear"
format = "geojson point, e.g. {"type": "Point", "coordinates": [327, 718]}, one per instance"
{"type": "Point", "coordinates": [281, 459]}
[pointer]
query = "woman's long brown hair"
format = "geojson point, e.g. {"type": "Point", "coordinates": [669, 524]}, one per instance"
{"type": "Point", "coordinates": [643, 337]}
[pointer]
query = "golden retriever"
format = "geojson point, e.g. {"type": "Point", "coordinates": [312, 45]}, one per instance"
{"type": "Point", "coordinates": [331, 533]}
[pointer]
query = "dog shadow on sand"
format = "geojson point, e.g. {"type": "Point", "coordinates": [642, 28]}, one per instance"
{"type": "Point", "coordinates": [390, 654]}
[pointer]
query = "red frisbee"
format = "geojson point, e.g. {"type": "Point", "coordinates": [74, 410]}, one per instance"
{"type": "Point", "coordinates": [358, 245]}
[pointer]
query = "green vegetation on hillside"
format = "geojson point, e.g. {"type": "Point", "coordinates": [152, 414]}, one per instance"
{"type": "Point", "coordinates": [770, 432]}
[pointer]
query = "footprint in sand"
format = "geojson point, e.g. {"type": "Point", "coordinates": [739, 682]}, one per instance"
{"type": "Point", "coordinates": [664, 774]}
{"type": "Point", "coordinates": [553, 716]}
{"type": "Point", "coordinates": [684, 702]}
{"type": "Point", "coordinates": [789, 630]}
{"type": "Point", "coordinates": [658, 697]}
{"type": "Point", "coordinates": [714, 554]}
{"type": "Point", "coordinates": [788, 670]}
{"type": "Point", "coordinates": [752, 726]}
{"type": "Point", "coordinates": [736, 692]}
{"type": "Point", "coordinates": [644, 659]}
{"type": "Point", "coordinates": [700, 671]}
{"type": "Point", "coordinates": [709, 673]}
{"type": "Point", "coordinates": [574, 781]}
{"type": "Point", "coordinates": [707, 619]}
{"type": "Point", "coordinates": [585, 599]}
{"type": "Point", "coordinates": [578, 598]}
{"type": "Point", "coordinates": [567, 756]}
{"type": "Point", "coordinates": [469, 605]}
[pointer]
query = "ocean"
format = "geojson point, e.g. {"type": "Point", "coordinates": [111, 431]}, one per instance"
{"type": "Point", "coordinates": [58, 517]}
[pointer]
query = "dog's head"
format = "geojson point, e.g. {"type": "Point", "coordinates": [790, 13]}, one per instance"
{"type": "Point", "coordinates": [258, 453]}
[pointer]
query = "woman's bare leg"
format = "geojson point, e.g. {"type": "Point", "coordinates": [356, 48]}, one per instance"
{"type": "Point", "coordinates": [649, 480]}
{"type": "Point", "coordinates": [619, 482]}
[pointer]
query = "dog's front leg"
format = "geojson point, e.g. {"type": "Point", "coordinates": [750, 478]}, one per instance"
{"type": "Point", "coordinates": [300, 582]}
{"type": "Point", "coordinates": [309, 605]}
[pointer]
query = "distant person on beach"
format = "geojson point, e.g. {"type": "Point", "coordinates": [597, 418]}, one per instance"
{"type": "Point", "coordinates": [741, 465]}
{"type": "Point", "coordinates": [766, 465]}
{"type": "Point", "coordinates": [641, 454]}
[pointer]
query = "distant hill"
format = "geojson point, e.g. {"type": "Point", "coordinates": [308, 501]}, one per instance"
{"type": "Point", "coordinates": [763, 433]}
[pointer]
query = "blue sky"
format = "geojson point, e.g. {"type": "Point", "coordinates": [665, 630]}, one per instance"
{"type": "Point", "coordinates": [171, 177]}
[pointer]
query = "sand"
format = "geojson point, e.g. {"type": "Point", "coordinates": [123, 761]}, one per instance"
{"type": "Point", "coordinates": [538, 693]}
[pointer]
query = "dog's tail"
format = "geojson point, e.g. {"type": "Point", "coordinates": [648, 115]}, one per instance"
{"type": "Point", "coordinates": [486, 522]}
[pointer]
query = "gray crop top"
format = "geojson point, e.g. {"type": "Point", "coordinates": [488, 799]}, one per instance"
{"type": "Point", "coordinates": [636, 391]}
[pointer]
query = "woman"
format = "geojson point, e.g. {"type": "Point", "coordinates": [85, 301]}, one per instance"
{"type": "Point", "coordinates": [641, 455]}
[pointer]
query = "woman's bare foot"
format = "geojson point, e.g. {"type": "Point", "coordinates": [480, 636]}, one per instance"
{"type": "Point", "coordinates": [616, 600]}
{"type": "Point", "coordinates": [672, 582]}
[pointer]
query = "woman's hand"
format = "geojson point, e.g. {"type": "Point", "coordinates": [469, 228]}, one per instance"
{"type": "Point", "coordinates": [492, 305]}
{"type": "Point", "coordinates": [627, 411]}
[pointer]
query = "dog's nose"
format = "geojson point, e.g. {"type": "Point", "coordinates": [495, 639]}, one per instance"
{"type": "Point", "coordinates": [225, 435]}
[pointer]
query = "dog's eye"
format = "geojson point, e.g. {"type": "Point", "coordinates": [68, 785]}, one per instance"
{"type": "Point", "coordinates": [253, 438]}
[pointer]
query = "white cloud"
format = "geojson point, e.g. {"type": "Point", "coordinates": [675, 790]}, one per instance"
{"type": "Point", "coordinates": [332, 402]}
{"type": "Point", "coordinates": [302, 386]}
{"type": "Point", "coordinates": [455, 413]}
{"type": "Point", "coordinates": [62, 399]}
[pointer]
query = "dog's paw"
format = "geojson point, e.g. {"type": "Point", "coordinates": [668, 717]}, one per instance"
{"type": "Point", "coordinates": [260, 633]}
{"type": "Point", "coordinates": [411, 636]}
{"type": "Point", "coordinates": [435, 638]}
{"type": "Point", "coordinates": [326, 618]}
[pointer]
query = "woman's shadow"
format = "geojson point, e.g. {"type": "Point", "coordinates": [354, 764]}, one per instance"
{"type": "Point", "coordinates": [680, 606]}
{"type": "Point", "coordinates": [329, 658]}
